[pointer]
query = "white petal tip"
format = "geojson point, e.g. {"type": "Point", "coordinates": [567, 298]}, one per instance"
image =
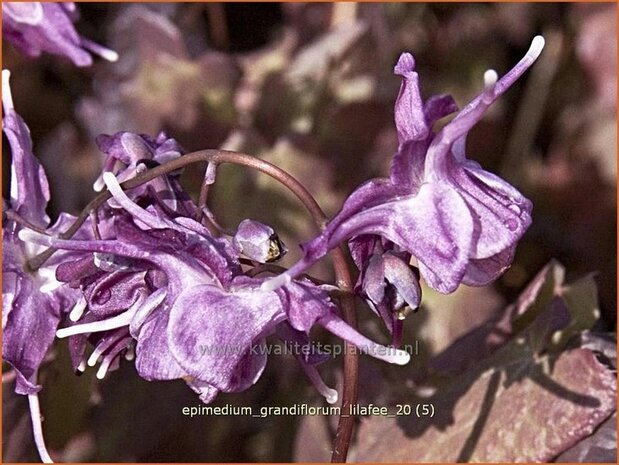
{"type": "Point", "coordinates": [63, 332]}
{"type": "Point", "coordinates": [27, 235]}
{"type": "Point", "coordinates": [400, 357]}
{"type": "Point", "coordinates": [490, 78]}
{"type": "Point", "coordinates": [276, 282]}
{"type": "Point", "coordinates": [7, 97]}
{"type": "Point", "coordinates": [109, 55]}
{"type": "Point", "coordinates": [538, 42]}
{"type": "Point", "coordinates": [331, 396]}
{"type": "Point", "coordinates": [537, 45]}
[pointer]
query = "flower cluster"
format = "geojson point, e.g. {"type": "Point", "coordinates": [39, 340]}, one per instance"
{"type": "Point", "coordinates": [143, 278]}
{"type": "Point", "coordinates": [460, 222]}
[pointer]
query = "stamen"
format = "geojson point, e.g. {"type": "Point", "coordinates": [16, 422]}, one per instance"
{"type": "Point", "coordinates": [27, 235]}
{"type": "Point", "coordinates": [82, 366]}
{"type": "Point", "coordinates": [7, 97]}
{"type": "Point", "coordinates": [117, 321]}
{"type": "Point", "coordinates": [102, 371]}
{"type": "Point", "coordinates": [78, 309]}
{"type": "Point", "coordinates": [37, 428]}
{"type": "Point", "coordinates": [109, 358]}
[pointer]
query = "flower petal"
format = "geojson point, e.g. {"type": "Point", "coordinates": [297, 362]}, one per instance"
{"type": "Point", "coordinates": [410, 119]}
{"type": "Point", "coordinates": [481, 272]}
{"type": "Point", "coordinates": [211, 330]}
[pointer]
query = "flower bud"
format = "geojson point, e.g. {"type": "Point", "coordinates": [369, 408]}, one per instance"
{"type": "Point", "coordinates": [258, 242]}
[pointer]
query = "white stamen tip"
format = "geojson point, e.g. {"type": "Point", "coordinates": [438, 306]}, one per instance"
{"type": "Point", "coordinates": [109, 178]}
{"type": "Point", "coordinates": [78, 309]}
{"type": "Point", "coordinates": [7, 97]}
{"type": "Point", "coordinates": [82, 366]}
{"type": "Point", "coordinates": [130, 354]}
{"type": "Point", "coordinates": [28, 235]}
{"type": "Point", "coordinates": [490, 78]}
{"type": "Point", "coordinates": [331, 396]}
{"type": "Point", "coordinates": [98, 184]}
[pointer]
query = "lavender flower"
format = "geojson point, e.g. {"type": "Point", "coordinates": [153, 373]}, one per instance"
{"type": "Point", "coordinates": [35, 27]}
{"type": "Point", "coordinates": [33, 302]}
{"type": "Point", "coordinates": [197, 297]}
{"type": "Point", "coordinates": [460, 222]}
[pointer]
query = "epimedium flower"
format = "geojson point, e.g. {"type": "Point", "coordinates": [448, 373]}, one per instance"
{"type": "Point", "coordinates": [459, 221]}
{"type": "Point", "coordinates": [36, 27]}
{"type": "Point", "coordinates": [201, 318]}
{"type": "Point", "coordinates": [33, 301]}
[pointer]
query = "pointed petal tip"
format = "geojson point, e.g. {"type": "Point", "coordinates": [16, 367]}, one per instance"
{"type": "Point", "coordinates": [7, 97]}
{"type": "Point", "coordinates": [537, 44]}
{"type": "Point", "coordinates": [276, 282]}
{"type": "Point", "coordinates": [405, 65]}
{"type": "Point", "coordinates": [27, 235]}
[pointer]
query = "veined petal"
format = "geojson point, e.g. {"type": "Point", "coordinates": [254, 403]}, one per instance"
{"type": "Point", "coordinates": [29, 186]}
{"type": "Point", "coordinates": [29, 333]}
{"type": "Point", "coordinates": [153, 358]}
{"type": "Point", "coordinates": [501, 213]}
{"type": "Point", "coordinates": [481, 272]}
{"type": "Point", "coordinates": [211, 330]}
{"type": "Point", "coordinates": [304, 303]}
{"type": "Point", "coordinates": [410, 119]}
{"type": "Point", "coordinates": [408, 164]}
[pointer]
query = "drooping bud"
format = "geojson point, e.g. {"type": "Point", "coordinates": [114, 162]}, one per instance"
{"type": "Point", "coordinates": [258, 241]}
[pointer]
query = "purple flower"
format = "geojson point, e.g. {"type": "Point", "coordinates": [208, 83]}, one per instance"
{"type": "Point", "coordinates": [32, 302]}
{"type": "Point", "coordinates": [197, 317]}
{"type": "Point", "coordinates": [460, 222]}
{"type": "Point", "coordinates": [35, 27]}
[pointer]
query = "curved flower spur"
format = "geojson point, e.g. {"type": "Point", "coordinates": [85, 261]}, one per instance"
{"type": "Point", "coordinates": [460, 222]}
